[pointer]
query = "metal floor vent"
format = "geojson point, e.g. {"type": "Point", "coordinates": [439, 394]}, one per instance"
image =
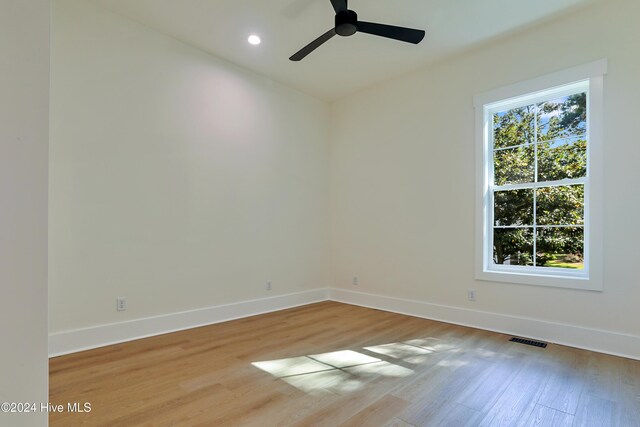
{"type": "Point", "coordinates": [529, 342]}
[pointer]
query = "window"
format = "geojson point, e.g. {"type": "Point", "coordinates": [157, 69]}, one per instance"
{"type": "Point", "coordinates": [539, 164]}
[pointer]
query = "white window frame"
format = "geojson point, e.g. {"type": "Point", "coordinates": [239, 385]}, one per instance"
{"type": "Point", "coordinates": [589, 77]}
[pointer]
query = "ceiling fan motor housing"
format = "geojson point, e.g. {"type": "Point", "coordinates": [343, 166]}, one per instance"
{"type": "Point", "coordinates": [346, 23]}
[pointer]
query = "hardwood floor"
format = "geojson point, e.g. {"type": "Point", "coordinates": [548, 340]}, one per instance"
{"type": "Point", "coordinates": [332, 364]}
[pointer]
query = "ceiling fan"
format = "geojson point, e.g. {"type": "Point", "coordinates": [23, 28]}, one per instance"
{"type": "Point", "coordinates": [347, 24]}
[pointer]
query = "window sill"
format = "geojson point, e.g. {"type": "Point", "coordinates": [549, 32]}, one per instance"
{"type": "Point", "coordinates": [546, 280]}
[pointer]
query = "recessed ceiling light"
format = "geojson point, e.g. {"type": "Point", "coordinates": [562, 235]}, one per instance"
{"type": "Point", "coordinates": [254, 40]}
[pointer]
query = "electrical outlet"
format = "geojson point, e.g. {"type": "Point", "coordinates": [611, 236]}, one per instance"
{"type": "Point", "coordinates": [355, 281]}
{"type": "Point", "coordinates": [268, 285]}
{"type": "Point", "coordinates": [121, 303]}
{"type": "Point", "coordinates": [471, 294]}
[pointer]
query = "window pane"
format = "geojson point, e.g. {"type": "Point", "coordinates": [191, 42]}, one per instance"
{"type": "Point", "coordinates": [514, 127]}
{"type": "Point", "coordinates": [562, 205]}
{"type": "Point", "coordinates": [562, 117]}
{"type": "Point", "coordinates": [561, 247]}
{"type": "Point", "coordinates": [513, 246]}
{"type": "Point", "coordinates": [562, 159]}
{"type": "Point", "coordinates": [513, 207]}
{"type": "Point", "coordinates": [514, 165]}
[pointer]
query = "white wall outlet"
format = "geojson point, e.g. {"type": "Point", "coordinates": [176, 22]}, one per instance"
{"type": "Point", "coordinates": [268, 285]}
{"type": "Point", "coordinates": [471, 294]}
{"type": "Point", "coordinates": [121, 303]}
{"type": "Point", "coordinates": [355, 281]}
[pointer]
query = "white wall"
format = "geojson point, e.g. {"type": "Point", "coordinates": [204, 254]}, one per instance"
{"type": "Point", "coordinates": [403, 175]}
{"type": "Point", "coordinates": [177, 180]}
{"type": "Point", "coordinates": [24, 117]}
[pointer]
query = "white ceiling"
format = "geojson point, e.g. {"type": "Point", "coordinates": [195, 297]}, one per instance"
{"type": "Point", "coordinates": [343, 65]}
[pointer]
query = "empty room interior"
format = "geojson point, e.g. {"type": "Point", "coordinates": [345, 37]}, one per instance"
{"type": "Point", "coordinates": [320, 213]}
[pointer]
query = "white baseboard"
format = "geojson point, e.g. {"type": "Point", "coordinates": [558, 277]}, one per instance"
{"type": "Point", "coordinates": [99, 336]}
{"type": "Point", "coordinates": [601, 341]}
{"type": "Point", "coordinates": [614, 343]}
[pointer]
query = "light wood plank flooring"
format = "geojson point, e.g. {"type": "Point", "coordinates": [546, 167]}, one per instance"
{"type": "Point", "coordinates": [332, 364]}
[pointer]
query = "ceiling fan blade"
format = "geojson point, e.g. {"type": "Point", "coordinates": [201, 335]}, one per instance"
{"type": "Point", "coordinates": [392, 32]}
{"type": "Point", "coordinates": [313, 45]}
{"type": "Point", "coordinates": [339, 5]}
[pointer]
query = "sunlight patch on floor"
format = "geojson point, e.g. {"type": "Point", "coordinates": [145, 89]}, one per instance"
{"type": "Point", "coordinates": [345, 371]}
{"type": "Point", "coordinates": [431, 344]}
{"type": "Point", "coordinates": [384, 369]}
{"type": "Point", "coordinates": [402, 351]}
{"type": "Point", "coordinates": [452, 363]}
{"type": "Point", "coordinates": [292, 366]}
{"type": "Point", "coordinates": [344, 358]}
{"type": "Point", "coordinates": [327, 382]}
